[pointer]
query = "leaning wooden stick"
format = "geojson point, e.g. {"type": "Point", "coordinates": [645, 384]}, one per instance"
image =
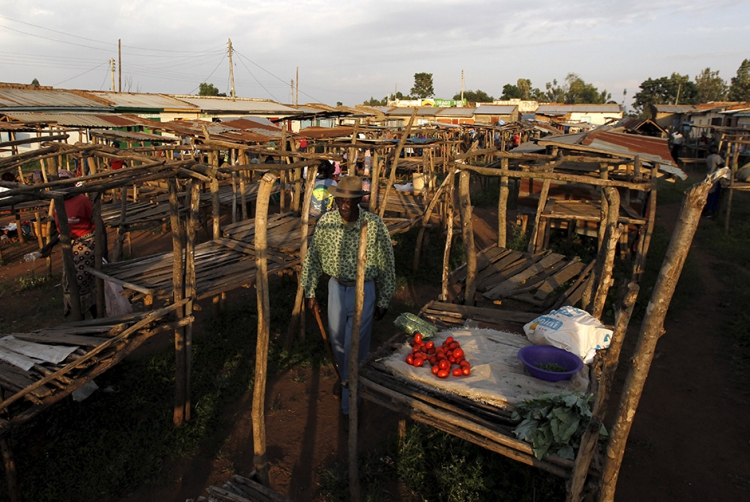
{"type": "Point", "coordinates": [359, 302]}
{"type": "Point", "coordinates": [326, 341]}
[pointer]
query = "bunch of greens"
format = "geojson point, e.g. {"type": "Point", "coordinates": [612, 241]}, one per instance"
{"type": "Point", "coordinates": [554, 423]}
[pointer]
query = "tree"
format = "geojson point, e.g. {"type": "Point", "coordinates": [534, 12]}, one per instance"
{"type": "Point", "coordinates": [477, 96]}
{"type": "Point", "coordinates": [35, 83]}
{"type": "Point", "coordinates": [574, 91]}
{"type": "Point", "coordinates": [740, 88]}
{"type": "Point", "coordinates": [205, 89]}
{"type": "Point", "coordinates": [711, 87]}
{"type": "Point", "coordinates": [665, 90]}
{"type": "Point", "coordinates": [423, 87]}
{"type": "Point", "coordinates": [339, 103]}
{"type": "Point", "coordinates": [376, 102]}
{"type": "Point", "coordinates": [511, 91]}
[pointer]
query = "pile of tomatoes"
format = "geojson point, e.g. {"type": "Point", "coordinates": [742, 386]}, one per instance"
{"type": "Point", "coordinates": [442, 358]}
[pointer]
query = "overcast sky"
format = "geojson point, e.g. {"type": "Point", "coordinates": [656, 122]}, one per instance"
{"type": "Point", "coordinates": [349, 50]}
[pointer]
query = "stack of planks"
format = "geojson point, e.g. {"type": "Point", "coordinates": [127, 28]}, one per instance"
{"type": "Point", "coordinates": [240, 489]}
{"type": "Point", "coordinates": [534, 279]}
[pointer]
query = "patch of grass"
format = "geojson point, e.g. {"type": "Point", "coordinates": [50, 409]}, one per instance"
{"type": "Point", "coordinates": [672, 193]}
{"type": "Point", "coordinates": [519, 241]}
{"type": "Point", "coordinates": [31, 281]}
{"type": "Point", "coordinates": [114, 442]}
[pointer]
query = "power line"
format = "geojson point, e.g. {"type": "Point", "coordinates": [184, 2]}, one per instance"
{"type": "Point", "coordinates": [254, 77]}
{"type": "Point", "coordinates": [209, 76]}
{"type": "Point", "coordinates": [274, 76]}
{"type": "Point", "coordinates": [84, 73]}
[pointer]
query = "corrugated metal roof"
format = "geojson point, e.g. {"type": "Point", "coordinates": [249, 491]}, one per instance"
{"type": "Point", "coordinates": [143, 101]}
{"type": "Point", "coordinates": [582, 108]}
{"type": "Point", "coordinates": [18, 99]}
{"type": "Point", "coordinates": [495, 110]}
{"type": "Point", "coordinates": [327, 132]}
{"type": "Point", "coordinates": [422, 111]}
{"type": "Point", "coordinates": [456, 112]}
{"type": "Point", "coordinates": [674, 108]}
{"type": "Point", "coordinates": [85, 120]}
{"type": "Point", "coordinates": [136, 136]}
{"type": "Point", "coordinates": [245, 106]}
{"type": "Point", "coordinates": [252, 123]}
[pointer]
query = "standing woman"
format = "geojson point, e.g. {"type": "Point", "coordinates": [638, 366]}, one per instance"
{"type": "Point", "coordinates": [80, 211]}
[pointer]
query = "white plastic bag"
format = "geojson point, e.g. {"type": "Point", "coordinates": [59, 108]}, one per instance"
{"type": "Point", "coordinates": [572, 329]}
{"type": "Point", "coordinates": [115, 303]}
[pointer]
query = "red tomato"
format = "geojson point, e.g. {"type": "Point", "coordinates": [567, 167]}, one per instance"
{"type": "Point", "coordinates": [465, 364]}
{"type": "Point", "coordinates": [444, 364]}
{"type": "Point", "coordinates": [435, 370]}
{"type": "Point", "coordinates": [454, 346]}
{"type": "Point", "coordinates": [418, 362]}
{"type": "Point", "coordinates": [430, 345]}
{"type": "Point", "coordinates": [458, 372]}
{"type": "Point", "coordinates": [433, 360]}
{"type": "Point", "coordinates": [443, 373]}
{"type": "Point", "coordinates": [417, 337]}
{"type": "Point", "coordinates": [449, 340]}
{"type": "Point", "coordinates": [452, 359]}
{"type": "Point", "coordinates": [409, 359]}
{"type": "Point", "coordinates": [458, 353]}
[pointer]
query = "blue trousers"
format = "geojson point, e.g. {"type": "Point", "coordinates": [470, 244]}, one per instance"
{"type": "Point", "coordinates": [340, 317]}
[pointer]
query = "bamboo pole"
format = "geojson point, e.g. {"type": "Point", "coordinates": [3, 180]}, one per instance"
{"type": "Point", "coordinates": [178, 283]}
{"type": "Point", "coordinates": [467, 231]}
{"type": "Point", "coordinates": [261, 351]}
{"type": "Point", "coordinates": [651, 329]}
{"type": "Point", "coordinates": [353, 378]}
{"type": "Point", "coordinates": [502, 209]}
{"type": "Point", "coordinates": [394, 164]}
{"type": "Point", "coordinates": [67, 257]}
{"type": "Point", "coordinates": [448, 239]}
{"type": "Point", "coordinates": [298, 312]}
{"type": "Point", "coordinates": [606, 257]}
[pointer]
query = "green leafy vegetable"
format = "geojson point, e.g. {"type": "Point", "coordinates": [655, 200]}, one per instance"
{"type": "Point", "coordinates": [554, 423]}
{"type": "Point", "coordinates": [552, 367]}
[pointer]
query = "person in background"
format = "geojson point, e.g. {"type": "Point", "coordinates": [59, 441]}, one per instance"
{"type": "Point", "coordinates": [333, 251]}
{"type": "Point", "coordinates": [677, 141]}
{"type": "Point", "coordinates": [80, 212]}
{"type": "Point", "coordinates": [116, 164]}
{"type": "Point", "coordinates": [714, 161]}
{"type": "Point", "coordinates": [322, 201]}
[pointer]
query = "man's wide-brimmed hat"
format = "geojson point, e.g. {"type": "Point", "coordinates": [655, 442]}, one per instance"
{"type": "Point", "coordinates": [350, 187]}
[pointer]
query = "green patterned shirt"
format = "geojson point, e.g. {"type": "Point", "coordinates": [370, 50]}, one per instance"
{"type": "Point", "coordinates": [334, 251]}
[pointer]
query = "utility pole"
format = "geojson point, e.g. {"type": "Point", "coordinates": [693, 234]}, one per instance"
{"type": "Point", "coordinates": [231, 68]}
{"type": "Point", "coordinates": [677, 99]}
{"type": "Point", "coordinates": [112, 71]}
{"type": "Point", "coordinates": [291, 92]}
{"type": "Point", "coordinates": [462, 87]}
{"type": "Point", "coordinates": [296, 95]}
{"type": "Point", "coordinates": [119, 60]}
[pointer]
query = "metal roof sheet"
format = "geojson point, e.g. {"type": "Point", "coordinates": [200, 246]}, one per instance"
{"type": "Point", "coordinates": [85, 120]}
{"type": "Point", "coordinates": [252, 123]}
{"type": "Point", "coordinates": [18, 99]}
{"type": "Point", "coordinates": [495, 110]}
{"type": "Point", "coordinates": [136, 136]}
{"type": "Point", "coordinates": [245, 106]}
{"type": "Point", "coordinates": [143, 100]}
{"type": "Point", "coordinates": [456, 112]}
{"type": "Point", "coordinates": [582, 108]}
{"type": "Point", "coordinates": [674, 108]}
{"type": "Point", "coordinates": [422, 111]}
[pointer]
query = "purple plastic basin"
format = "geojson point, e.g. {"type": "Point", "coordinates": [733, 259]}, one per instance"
{"type": "Point", "coordinates": [534, 355]}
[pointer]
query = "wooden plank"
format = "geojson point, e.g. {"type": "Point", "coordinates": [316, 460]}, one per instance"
{"type": "Point", "coordinates": [571, 270]}
{"type": "Point", "coordinates": [507, 286]}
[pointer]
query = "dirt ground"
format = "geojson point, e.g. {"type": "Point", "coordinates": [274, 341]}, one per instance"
{"type": "Point", "coordinates": [689, 440]}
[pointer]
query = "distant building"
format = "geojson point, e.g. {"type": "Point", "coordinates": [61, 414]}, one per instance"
{"type": "Point", "coordinates": [584, 113]}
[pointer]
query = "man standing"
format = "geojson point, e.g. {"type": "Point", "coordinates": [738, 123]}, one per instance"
{"type": "Point", "coordinates": [713, 162]}
{"type": "Point", "coordinates": [677, 141]}
{"type": "Point", "coordinates": [334, 252]}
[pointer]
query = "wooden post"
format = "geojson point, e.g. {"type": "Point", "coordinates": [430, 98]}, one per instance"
{"type": "Point", "coordinates": [191, 286]}
{"type": "Point", "coordinates": [604, 210]}
{"type": "Point", "coordinates": [394, 164]}
{"type": "Point", "coordinates": [67, 258]}
{"type": "Point", "coordinates": [19, 233]}
{"type": "Point", "coordinates": [605, 259]}
{"type": "Point", "coordinates": [99, 241]}
{"type": "Point", "coordinates": [178, 284]}
{"type": "Point", "coordinates": [651, 329]}
{"type": "Point", "coordinates": [609, 366]}
{"type": "Point", "coordinates": [353, 378]}
{"type": "Point", "coordinates": [467, 231]}
{"type": "Point", "coordinates": [448, 239]}
{"type": "Point", "coordinates": [377, 169]}
{"type": "Point", "coordinates": [215, 207]}
{"type": "Point", "coordinates": [283, 173]}
{"type": "Point", "coordinates": [298, 312]}
{"type": "Point", "coordinates": [502, 209]}
{"type": "Point", "coordinates": [264, 307]}
{"type": "Point", "coordinates": [733, 169]}
{"type": "Point", "coordinates": [539, 210]}
{"type": "Point", "coordinates": [11, 478]}
{"type": "Point", "coordinates": [39, 231]}
{"type": "Point", "coordinates": [644, 242]}
{"type": "Point", "coordinates": [243, 175]}
{"type": "Point", "coordinates": [117, 251]}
